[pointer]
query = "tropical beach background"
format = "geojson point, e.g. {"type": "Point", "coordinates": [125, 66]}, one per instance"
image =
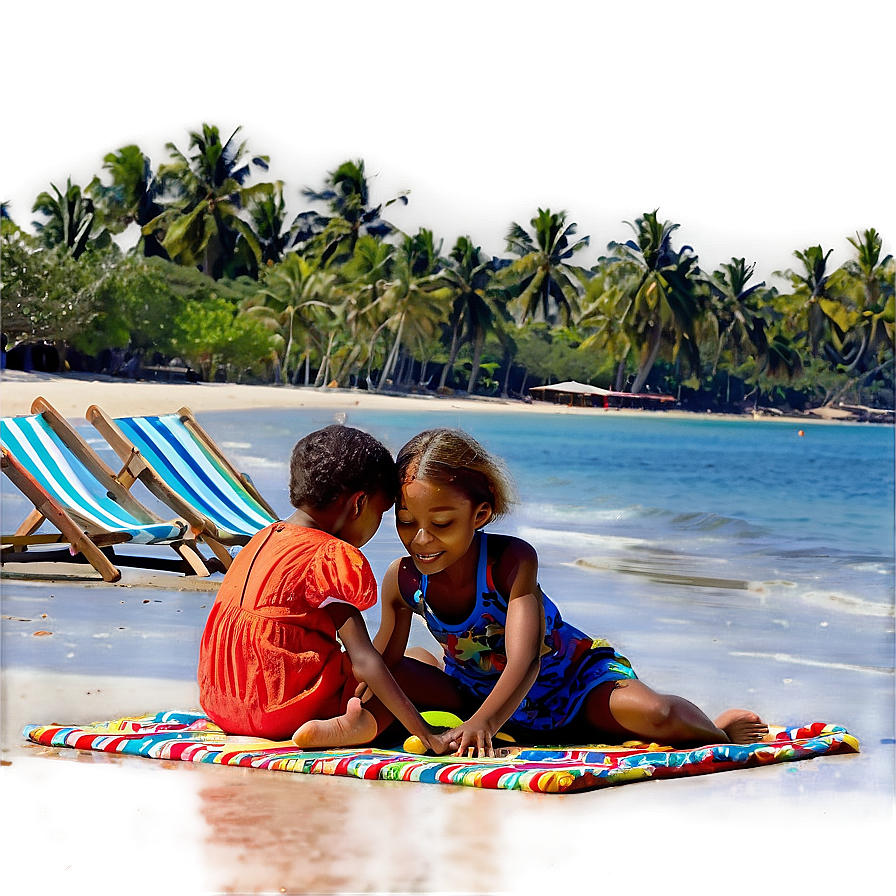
{"type": "Point", "coordinates": [399, 217]}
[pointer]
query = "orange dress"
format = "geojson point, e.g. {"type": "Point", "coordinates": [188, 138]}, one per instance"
{"type": "Point", "coordinates": [269, 659]}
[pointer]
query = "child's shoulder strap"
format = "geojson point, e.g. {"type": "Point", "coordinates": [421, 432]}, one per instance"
{"type": "Point", "coordinates": [409, 580]}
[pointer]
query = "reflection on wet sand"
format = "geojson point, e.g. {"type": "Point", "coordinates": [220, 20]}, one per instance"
{"type": "Point", "coordinates": [214, 829]}
{"type": "Point", "coordinates": [290, 833]}
{"type": "Point", "coordinates": [232, 830]}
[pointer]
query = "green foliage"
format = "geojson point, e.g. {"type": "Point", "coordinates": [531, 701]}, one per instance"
{"type": "Point", "coordinates": [205, 193]}
{"type": "Point", "coordinates": [556, 355]}
{"type": "Point", "coordinates": [210, 334]}
{"type": "Point", "coordinates": [136, 309]}
{"type": "Point", "coordinates": [48, 293]}
{"type": "Point", "coordinates": [72, 221]}
{"type": "Point", "coordinates": [543, 280]}
{"type": "Point", "coordinates": [346, 193]}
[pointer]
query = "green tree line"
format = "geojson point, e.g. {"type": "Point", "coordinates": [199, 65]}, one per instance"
{"type": "Point", "coordinates": [222, 278]}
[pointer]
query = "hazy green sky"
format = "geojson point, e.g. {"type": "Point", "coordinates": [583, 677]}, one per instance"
{"type": "Point", "coordinates": [760, 128]}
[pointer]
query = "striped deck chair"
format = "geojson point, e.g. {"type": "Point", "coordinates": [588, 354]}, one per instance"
{"type": "Point", "coordinates": [72, 489]}
{"type": "Point", "coordinates": [184, 468]}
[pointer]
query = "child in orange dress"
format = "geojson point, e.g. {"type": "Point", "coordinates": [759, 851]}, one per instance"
{"type": "Point", "coordinates": [270, 664]}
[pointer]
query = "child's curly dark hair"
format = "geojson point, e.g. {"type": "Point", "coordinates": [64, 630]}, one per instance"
{"type": "Point", "coordinates": [339, 459]}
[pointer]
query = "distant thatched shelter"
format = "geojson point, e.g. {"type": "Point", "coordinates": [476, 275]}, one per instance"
{"type": "Point", "coordinates": [573, 393]}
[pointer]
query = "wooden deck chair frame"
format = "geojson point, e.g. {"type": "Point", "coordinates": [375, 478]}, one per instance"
{"type": "Point", "coordinates": [85, 540]}
{"type": "Point", "coordinates": [137, 467]}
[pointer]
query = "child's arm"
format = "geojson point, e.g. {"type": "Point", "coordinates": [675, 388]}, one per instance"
{"type": "Point", "coordinates": [391, 640]}
{"type": "Point", "coordinates": [517, 573]}
{"type": "Point", "coordinates": [368, 666]}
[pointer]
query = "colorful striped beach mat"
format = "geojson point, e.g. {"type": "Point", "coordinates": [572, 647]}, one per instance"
{"type": "Point", "coordinates": [191, 737]}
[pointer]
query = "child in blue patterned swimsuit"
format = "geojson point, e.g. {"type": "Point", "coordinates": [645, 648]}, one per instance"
{"type": "Point", "coordinates": [510, 661]}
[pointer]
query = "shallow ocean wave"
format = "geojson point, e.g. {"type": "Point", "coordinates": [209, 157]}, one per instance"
{"type": "Point", "coordinates": [805, 661]}
{"type": "Point", "coordinates": [653, 522]}
{"type": "Point", "coordinates": [663, 576]}
{"type": "Point", "coordinates": [728, 563]}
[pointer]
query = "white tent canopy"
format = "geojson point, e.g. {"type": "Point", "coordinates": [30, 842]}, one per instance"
{"type": "Point", "coordinates": [573, 388]}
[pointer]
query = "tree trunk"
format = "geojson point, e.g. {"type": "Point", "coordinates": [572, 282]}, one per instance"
{"type": "Point", "coordinates": [477, 359]}
{"type": "Point", "coordinates": [371, 352]}
{"type": "Point", "coordinates": [288, 352]}
{"type": "Point", "coordinates": [401, 377]}
{"type": "Point", "coordinates": [393, 354]}
{"type": "Point", "coordinates": [324, 371]}
{"type": "Point", "coordinates": [647, 365]}
{"type": "Point", "coordinates": [620, 375]}
{"type": "Point", "coordinates": [452, 356]}
{"type": "Point", "coordinates": [853, 384]}
{"type": "Point", "coordinates": [506, 386]}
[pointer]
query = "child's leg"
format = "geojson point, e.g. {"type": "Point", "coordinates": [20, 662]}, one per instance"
{"type": "Point", "coordinates": [426, 686]}
{"type": "Point", "coordinates": [357, 726]}
{"type": "Point", "coordinates": [667, 719]}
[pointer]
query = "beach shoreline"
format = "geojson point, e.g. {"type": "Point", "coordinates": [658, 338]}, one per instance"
{"type": "Point", "coordinates": [72, 394]}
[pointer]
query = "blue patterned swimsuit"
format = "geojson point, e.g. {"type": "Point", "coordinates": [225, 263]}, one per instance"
{"type": "Point", "coordinates": [571, 662]}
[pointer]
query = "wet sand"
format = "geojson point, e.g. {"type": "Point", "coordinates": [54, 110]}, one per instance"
{"type": "Point", "coordinates": [75, 821]}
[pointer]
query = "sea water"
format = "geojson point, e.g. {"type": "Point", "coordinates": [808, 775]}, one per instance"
{"type": "Point", "coordinates": [710, 502]}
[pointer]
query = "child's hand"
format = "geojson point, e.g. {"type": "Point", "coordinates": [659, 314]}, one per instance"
{"type": "Point", "coordinates": [435, 743]}
{"type": "Point", "coordinates": [469, 739]}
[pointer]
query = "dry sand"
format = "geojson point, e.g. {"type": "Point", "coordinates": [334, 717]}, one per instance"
{"type": "Point", "coordinates": [72, 395]}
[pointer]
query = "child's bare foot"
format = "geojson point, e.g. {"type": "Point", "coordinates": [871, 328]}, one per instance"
{"type": "Point", "coordinates": [357, 726]}
{"type": "Point", "coordinates": [742, 726]}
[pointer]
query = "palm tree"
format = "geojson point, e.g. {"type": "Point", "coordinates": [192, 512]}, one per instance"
{"type": "Point", "coordinates": [415, 297]}
{"type": "Point", "coordinates": [782, 363]}
{"type": "Point", "coordinates": [346, 193]}
{"type": "Point", "coordinates": [608, 299]}
{"type": "Point", "coordinates": [364, 280]}
{"type": "Point", "coordinates": [810, 289]}
{"type": "Point", "coordinates": [477, 308]}
{"type": "Point", "coordinates": [543, 280]}
{"type": "Point", "coordinates": [132, 197]}
{"type": "Point", "coordinates": [72, 220]}
{"type": "Point", "coordinates": [735, 309]}
{"type": "Point", "coordinates": [660, 303]}
{"type": "Point", "coordinates": [295, 288]}
{"type": "Point", "coordinates": [267, 213]}
{"type": "Point", "coordinates": [866, 283]}
{"type": "Point", "coordinates": [202, 222]}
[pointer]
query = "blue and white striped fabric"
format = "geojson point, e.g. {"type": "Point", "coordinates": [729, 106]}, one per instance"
{"type": "Point", "coordinates": [195, 473]}
{"type": "Point", "coordinates": [40, 451]}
